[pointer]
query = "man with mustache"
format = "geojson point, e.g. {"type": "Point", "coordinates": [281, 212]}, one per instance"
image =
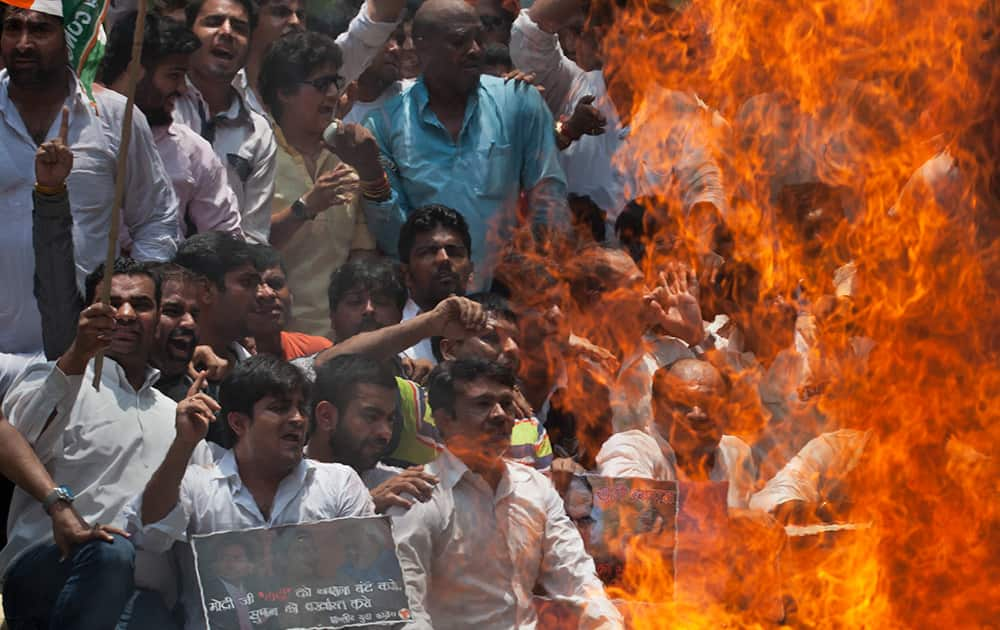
{"type": "Point", "coordinates": [263, 481]}
{"type": "Point", "coordinates": [685, 440]}
{"type": "Point", "coordinates": [205, 200]}
{"type": "Point", "coordinates": [458, 138]}
{"type": "Point", "coordinates": [353, 416]}
{"type": "Point", "coordinates": [436, 249]}
{"type": "Point", "coordinates": [36, 83]}
{"type": "Point", "coordinates": [492, 529]}
{"type": "Point", "coordinates": [102, 445]}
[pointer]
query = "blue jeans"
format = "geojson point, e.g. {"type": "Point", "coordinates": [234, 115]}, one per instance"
{"type": "Point", "coordinates": [87, 591]}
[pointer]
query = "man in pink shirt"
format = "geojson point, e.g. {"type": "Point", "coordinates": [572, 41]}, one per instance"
{"type": "Point", "coordinates": [199, 179]}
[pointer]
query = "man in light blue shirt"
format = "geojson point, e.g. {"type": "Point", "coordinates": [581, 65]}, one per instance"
{"type": "Point", "coordinates": [460, 139]}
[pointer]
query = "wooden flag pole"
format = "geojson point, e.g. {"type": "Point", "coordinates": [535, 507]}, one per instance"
{"type": "Point", "coordinates": [116, 206]}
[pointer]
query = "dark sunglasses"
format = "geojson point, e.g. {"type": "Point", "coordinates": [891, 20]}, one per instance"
{"type": "Point", "coordinates": [323, 84]}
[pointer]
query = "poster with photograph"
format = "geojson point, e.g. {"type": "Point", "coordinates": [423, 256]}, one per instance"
{"type": "Point", "coordinates": [330, 574]}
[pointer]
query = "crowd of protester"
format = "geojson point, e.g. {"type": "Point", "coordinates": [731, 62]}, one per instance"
{"type": "Point", "coordinates": [399, 258]}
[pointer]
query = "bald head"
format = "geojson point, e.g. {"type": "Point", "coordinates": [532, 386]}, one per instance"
{"type": "Point", "coordinates": [697, 374]}
{"type": "Point", "coordinates": [434, 15]}
{"type": "Point", "coordinates": [447, 35]}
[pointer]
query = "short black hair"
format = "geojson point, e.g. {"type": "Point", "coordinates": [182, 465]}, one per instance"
{"type": "Point", "coordinates": [123, 267]}
{"type": "Point", "coordinates": [212, 255]}
{"type": "Point", "coordinates": [162, 37]}
{"type": "Point", "coordinates": [194, 8]}
{"type": "Point", "coordinates": [337, 381]}
{"type": "Point", "coordinates": [168, 271]}
{"type": "Point", "coordinates": [266, 257]}
{"type": "Point", "coordinates": [253, 379]}
{"type": "Point", "coordinates": [378, 277]}
{"type": "Point", "coordinates": [425, 219]}
{"type": "Point", "coordinates": [290, 60]}
{"type": "Point", "coordinates": [443, 379]}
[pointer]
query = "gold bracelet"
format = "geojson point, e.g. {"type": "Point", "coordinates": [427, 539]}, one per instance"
{"type": "Point", "coordinates": [50, 191]}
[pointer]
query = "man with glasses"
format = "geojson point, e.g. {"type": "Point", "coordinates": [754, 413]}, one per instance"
{"type": "Point", "coordinates": [316, 224]}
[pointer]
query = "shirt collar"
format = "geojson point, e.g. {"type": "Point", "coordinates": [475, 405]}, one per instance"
{"type": "Point", "coordinates": [238, 110]}
{"type": "Point", "coordinates": [451, 470]}
{"type": "Point", "coordinates": [117, 378]}
{"type": "Point", "coordinates": [77, 96]}
{"type": "Point", "coordinates": [228, 468]}
{"type": "Point", "coordinates": [420, 96]}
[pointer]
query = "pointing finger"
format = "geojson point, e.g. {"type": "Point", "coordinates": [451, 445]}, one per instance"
{"type": "Point", "coordinates": [198, 384]}
{"type": "Point", "coordinates": [64, 125]}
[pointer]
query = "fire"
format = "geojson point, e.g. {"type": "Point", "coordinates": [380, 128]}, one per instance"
{"type": "Point", "coordinates": [840, 102]}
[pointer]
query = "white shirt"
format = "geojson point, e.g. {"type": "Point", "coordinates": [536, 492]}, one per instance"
{"type": "Point", "coordinates": [379, 474]}
{"type": "Point", "coordinates": [471, 556]}
{"type": "Point", "coordinates": [360, 110]}
{"type": "Point", "coordinates": [822, 460]}
{"type": "Point", "coordinates": [214, 499]}
{"type": "Point", "coordinates": [245, 144]}
{"type": "Point", "coordinates": [422, 350]}
{"type": "Point", "coordinates": [647, 455]}
{"type": "Point", "coordinates": [104, 445]}
{"type": "Point", "coordinates": [617, 166]}
{"type": "Point", "coordinates": [149, 211]}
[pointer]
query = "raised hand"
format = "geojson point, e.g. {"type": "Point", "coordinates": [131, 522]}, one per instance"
{"type": "Point", "coordinates": [53, 159]}
{"type": "Point", "coordinates": [332, 188]}
{"type": "Point", "coordinates": [413, 481]}
{"type": "Point", "coordinates": [205, 359]}
{"type": "Point", "coordinates": [356, 146]}
{"type": "Point", "coordinates": [673, 304]}
{"type": "Point", "coordinates": [195, 413]}
{"type": "Point", "coordinates": [460, 318]}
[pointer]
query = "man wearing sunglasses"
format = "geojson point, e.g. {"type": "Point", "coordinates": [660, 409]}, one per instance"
{"type": "Point", "coordinates": [316, 224]}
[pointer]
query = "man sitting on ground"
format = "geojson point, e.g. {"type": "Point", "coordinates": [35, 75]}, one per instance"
{"type": "Point", "coordinates": [354, 410]}
{"type": "Point", "coordinates": [455, 549]}
{"type": "Point", "coordinates": [685, 441]}
{"type": "Point", "coordinates": [262, 482]}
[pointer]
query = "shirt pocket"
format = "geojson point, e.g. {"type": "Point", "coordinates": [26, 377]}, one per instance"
{"type": "Point", "coordinates": [493, 170]}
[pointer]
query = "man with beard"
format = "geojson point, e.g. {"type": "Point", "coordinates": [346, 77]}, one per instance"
{"type": "Point", "coordinates": [177, 330]}
{"type": "Point", "coordinates": [353, 412]}
{"type": "Point", "coordinates": [272, 310]}
{"type": "Point", "coordinates": [102, 445]}
{"type": "Point", "coordinates": [436, 249]}
{"type": "Point", "coordinates": [317, 224]}
{"type": "Point", "coordinates": [205, 200]}
{"type": "Point", "coordinates": [480, 143]}
{"type": "Point", "coordinates": [35, 85]}
{"type": "Point", "coordinates": [492, 529]}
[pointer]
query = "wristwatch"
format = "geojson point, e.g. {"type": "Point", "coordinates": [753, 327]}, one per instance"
{"type": "Point", "coordinates": [62, 493]}
{"type": "Point", "coordinates": [300, 212]}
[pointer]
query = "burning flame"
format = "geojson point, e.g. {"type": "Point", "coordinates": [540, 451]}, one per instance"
{"type": "Point", "coordinates": [842, 102]}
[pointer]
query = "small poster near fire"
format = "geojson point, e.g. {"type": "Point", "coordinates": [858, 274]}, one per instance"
{"type": "Point", "coordinates": [330, 574]}
{"type": "Point", "coordinates": [616, 517]}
